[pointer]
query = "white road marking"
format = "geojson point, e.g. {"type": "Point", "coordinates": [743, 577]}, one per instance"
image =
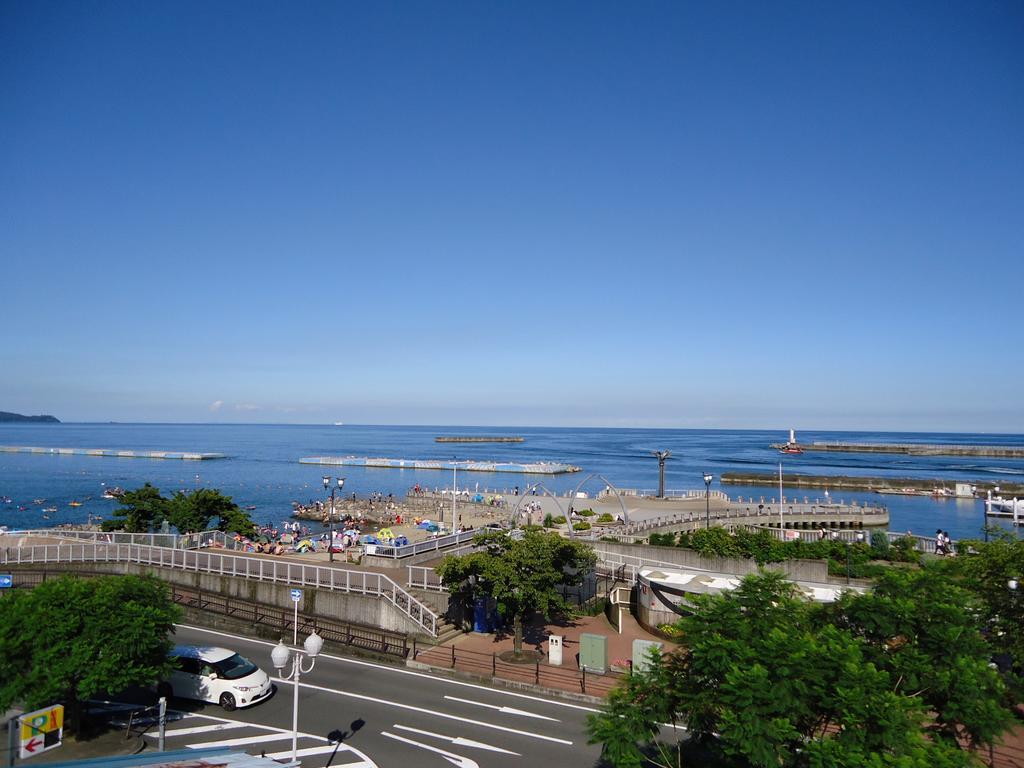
{"type": "Point", "coordinates": [413, 673]}
{"type": "Point", "coordinates": [504, 710]}
{"type": "Point", "coordinates": [458, 741]}
{"type": "Point", "coordinates": [203, 729]}
{"type": "Point", "coordinates": [312, 751]}
{"type": "Point", "coordinates": [425, 711]}
{"type": "Point", "coordinates": [242, 740]}
{"type": "Point", "coordinates": [451, 757]}
{"type": "Point", "coordinates": [283, 733]}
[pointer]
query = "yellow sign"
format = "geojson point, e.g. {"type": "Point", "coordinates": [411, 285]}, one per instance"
{"type": "Point", "coordinates": [41, 730]}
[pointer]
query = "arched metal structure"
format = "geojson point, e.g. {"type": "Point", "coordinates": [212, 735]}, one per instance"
{"type": "Point", "coordinates": [572, 497]}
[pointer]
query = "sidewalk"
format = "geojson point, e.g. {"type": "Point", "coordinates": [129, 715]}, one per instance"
{"type": "Point", "coordinates": [480, 655]}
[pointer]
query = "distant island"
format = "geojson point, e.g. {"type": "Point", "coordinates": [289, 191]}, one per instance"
{"type": "Point", "coordinates": [6, 417]}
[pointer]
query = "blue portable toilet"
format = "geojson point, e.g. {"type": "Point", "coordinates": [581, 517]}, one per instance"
{"type": "Point", "coordinates": [482, 618]}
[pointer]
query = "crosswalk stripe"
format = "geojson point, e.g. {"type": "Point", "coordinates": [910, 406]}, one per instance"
{"type": "Point", "coordinates": [203, 729]}
{"type": "Point", "coordinates": [240, 741]}
{"type": "Point", "coordinates": [305, 752]}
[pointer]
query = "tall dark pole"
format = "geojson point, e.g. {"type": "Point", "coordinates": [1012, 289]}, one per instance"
{"type": "Point", "coordinates": [662, 455]}
{"type": "Point", "coordinates": [338, 487]}
{"type": "Point", "coordinates": [707, 499]}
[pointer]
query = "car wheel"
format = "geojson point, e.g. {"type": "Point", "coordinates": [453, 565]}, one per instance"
{"type": "Point", "coordinates": [164, 691]}
{"type": "Point", "coordinates": [227, 701]}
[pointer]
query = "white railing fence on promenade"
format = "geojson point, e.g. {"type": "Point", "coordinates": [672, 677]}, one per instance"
{"type": "Point", "coordinates": [238, 566]}
{"type": "Point", "coordinates": [925, 544]}
{"type": "Point", "coordinates": [608, 493]}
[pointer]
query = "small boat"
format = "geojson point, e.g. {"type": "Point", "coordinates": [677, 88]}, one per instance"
{"type": "Point", "coordinates": [791, 449]}
{"type": "Point", "coordinates": [6, 499]}
{"type": "Point", "coordinates": [38, 501]}
{"type": "Point", "coordinates": [339, 423]}
{"type": "Point", "coordinates": [49, 509]}
{"type": "Point", "coordinates": [251, 507]}
{"type": "Point", "coordinates": [74, 503]}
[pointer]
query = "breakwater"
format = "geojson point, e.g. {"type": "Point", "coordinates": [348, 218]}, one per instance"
{"type": "Point", "coordinates": [535, 468]}
{"type": "Point", "coordinates": [913, 485]}
{"type": "Point", "coordinates": [107, 452]}
{"type": "Point", "coordinates": [912, 449]}
{"type": "Point", "coordinates": [475, 439]}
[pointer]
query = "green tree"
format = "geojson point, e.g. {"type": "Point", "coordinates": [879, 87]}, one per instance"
{"type": "Point", "coordinates": [522, 575]}
{"type": "Point", "coordinates": [72, 638]}
{"type": "Point", "coordinates": [765, 679]}
{"type": "Point", "coordinates": [141, 511]}
{"type": "Point", "coordinates": [986, 569]}
{"type": "Point", "coordinates": [924, 631]}
{"type": "Point", "coordinates": [207, 508]}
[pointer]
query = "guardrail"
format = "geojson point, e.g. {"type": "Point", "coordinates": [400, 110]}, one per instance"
{"type": "Point", "coordinates": [238, 566]}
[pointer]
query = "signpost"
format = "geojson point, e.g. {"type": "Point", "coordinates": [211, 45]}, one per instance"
{"type": "Point", "coordinates": [40, 731]}
{"type": "Point", "coordinates": [296, 598]}
{"type": "Point", "coordinates": [6, 581]}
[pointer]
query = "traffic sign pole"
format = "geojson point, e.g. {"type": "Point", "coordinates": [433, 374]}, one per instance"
{"type": "Point", "coordinates": [296, 596]}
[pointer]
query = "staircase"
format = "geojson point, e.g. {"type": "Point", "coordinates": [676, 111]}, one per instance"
{"type": "Point", "coordinates": [438, 603]}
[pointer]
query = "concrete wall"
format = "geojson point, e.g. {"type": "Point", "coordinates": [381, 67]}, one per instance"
{"type": "Point", "coordinates": [797, 570]}
{"type": "Point", "coordinates": [369, 610]}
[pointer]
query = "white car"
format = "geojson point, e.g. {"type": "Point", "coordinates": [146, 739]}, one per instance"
{"type": "Point", "coordinates": [218, 675]}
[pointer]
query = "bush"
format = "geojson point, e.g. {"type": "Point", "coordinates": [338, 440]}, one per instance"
{"type": "Point", "coordinates": [585, 512]}
{"type": "Point", "coordinates": [879, 545]}
{"type": "Point", "coordinates": [663, 539]}
{"type": "Point", "coordinates": [605, 517]}
{"type": "Point", "coordinates": [549, 522]}
{"type": "Point", "coordinates": [581, 526]}
{"type": "Point", "coordinates": [560, 520]}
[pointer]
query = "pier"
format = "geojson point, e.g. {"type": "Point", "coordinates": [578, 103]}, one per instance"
{"type": "Point", "coordinates": [913, 486]}
{"type": "Point", "coordinates": [536, 468]}
{"type": "Point", "coordinates": [912, 449]}
{"type": "Point", "coordinates": [113, 453]}
{"type": "Point", "coordinates": [475, 439]}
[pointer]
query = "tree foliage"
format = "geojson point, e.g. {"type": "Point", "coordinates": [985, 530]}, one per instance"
{"type": "Point", "coordinates": [985, 570]}
{"type": "Point", "coordinates": [769, 679]}
{"type": "Point", "coordinates": [763, 547]}
{"type": "Point", "coordinates": [145, 509]}
{"type": "Point", "coordinates": [72, 638]}
{"type": "Point", "coordinates": [522, 575]}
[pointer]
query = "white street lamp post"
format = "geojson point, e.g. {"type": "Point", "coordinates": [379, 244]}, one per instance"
{"type": "Point", "coordinates": [280, 656]}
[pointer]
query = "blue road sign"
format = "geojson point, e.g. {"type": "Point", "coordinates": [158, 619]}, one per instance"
{"type": "Point", "coordinates": [6, 581]}
{"type": "Point", "coordinates": [296, 595]}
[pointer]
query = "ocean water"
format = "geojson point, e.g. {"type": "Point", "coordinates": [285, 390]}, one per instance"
{"type": "Point", "coordinates": [263, 470]}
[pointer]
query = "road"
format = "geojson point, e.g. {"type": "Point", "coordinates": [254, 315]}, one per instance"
{"type": "Point", "coordinates": [388, 716]}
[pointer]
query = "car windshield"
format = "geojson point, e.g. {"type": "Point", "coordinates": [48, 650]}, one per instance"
{"type": "Point", "coordinates": [234, 667]}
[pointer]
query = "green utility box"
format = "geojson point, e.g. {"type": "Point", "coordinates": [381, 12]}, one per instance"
{"type": "Point", "coordinates": [642, 654]}
{"type": "Point", "coordinates": [594, 653]}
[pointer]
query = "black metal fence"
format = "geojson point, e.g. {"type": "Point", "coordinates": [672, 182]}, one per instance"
{"type": "Point", "coordinates": [267, 618]}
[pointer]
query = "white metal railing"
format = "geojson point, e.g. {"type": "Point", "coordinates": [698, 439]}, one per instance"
{"type": "Point", "coordinates": [430, 545]}
{"type": "Point", "coordinates": [669, 494]}
{"type": "Point", "coordinates": [423, 577]}
{"type": "Point", "coordinates": [172, 540]}
{"type": "Point", "coordinates": [238, 566]}
{"type": "Point", "coordinates": [823, 511]}
{"type": "Point", "coordinates": [924, 544]}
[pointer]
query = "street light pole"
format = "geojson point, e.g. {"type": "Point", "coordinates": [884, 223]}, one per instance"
{"type": "Point", "coordinates": [338, 487]}
{"type": "Point", "coordinates": [662, 455]}
{"type": "Point", "coordinates": [279, 656]}
{"type": "Point", "coordinates": [707, 499]}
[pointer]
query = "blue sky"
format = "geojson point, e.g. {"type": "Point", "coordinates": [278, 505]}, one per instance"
{"type": "Point", "coordinates": [652, 214]}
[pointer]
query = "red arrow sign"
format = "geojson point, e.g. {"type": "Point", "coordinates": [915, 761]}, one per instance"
{"type": "Point", "coordinates": [31, 746]}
